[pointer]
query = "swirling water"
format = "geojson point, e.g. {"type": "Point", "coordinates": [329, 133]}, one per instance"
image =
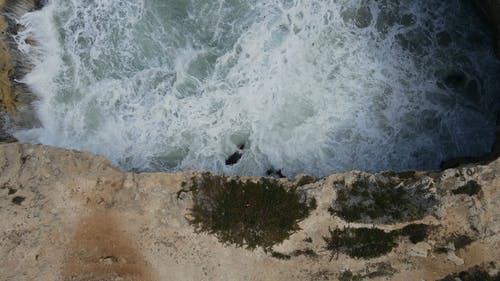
{"type": "Point", "coordinates": [312, 86]}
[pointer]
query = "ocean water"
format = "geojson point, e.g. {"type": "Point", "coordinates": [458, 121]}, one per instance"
{"type": "Point", "coordinates": [301, 86]}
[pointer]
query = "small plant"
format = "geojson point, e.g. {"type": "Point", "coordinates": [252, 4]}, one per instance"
{"type": "Point", "coordinates": [470, 188]}
{"type": "Point", "coordinates": [246, 213]}
{"type": "Point", "coordinates": [308, 252]}
{"type": "Point", "coordinates": [415, 232]}
{"type": "Point", "coordinates": [349, 276]}
{"type": "Point", "coordinates": [372, 271]}
{"type": "Point", "coordinates": [459, 241]}
{"type": "Point", "coordinates": [476, 273]}
{"type": "Point", "coordinates": [371, 242]}
{"type": "Point", "coordinates": [280, 256]}
{"type": "Point", "coordinates": [381, 201]}
{"type": "Point", "coordinates": [380, 270]}
{"type": "Point", "coordinates": [360, 242]}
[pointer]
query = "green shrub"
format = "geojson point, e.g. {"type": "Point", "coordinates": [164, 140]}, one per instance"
{"type": "Point", "coordinates": [415, 232]}
{"type": "Point", "coordinates": [360, 242]}
{"type": "Point", "coordinates": [470, 188]}
{"type": "Point", "coordinates": [246, 213]}
{"type": "Point", "coordinates": [381, 202]}
{"type": "Point", "coordinates": [307, 252]}
{"type": "Point", "coordinates": [280, 256]}
{"type": "Point", "coordinates": [476, 273]}
{"type": "Point", "coordinates": [371, 242]}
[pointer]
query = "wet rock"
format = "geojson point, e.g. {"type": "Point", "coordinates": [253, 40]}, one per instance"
{"type": "Point", "coordinates": [303, 179]}
{"type": "Point", "coordinates": [234, 158]}
{"type": "Point", "coordinates": [6, 138]}
{"type": "Point", "coordinates": [275, 173]}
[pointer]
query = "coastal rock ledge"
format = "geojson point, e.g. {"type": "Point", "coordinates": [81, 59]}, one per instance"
{"type": "Point", "coordinates": [69, 215]}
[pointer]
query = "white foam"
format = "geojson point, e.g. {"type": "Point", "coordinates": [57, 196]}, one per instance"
{"type": "Point", "coordinates": [156, 86]}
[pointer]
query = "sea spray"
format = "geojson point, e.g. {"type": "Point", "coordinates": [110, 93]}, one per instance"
{"type": "Point", "coordinates": [293, 86]}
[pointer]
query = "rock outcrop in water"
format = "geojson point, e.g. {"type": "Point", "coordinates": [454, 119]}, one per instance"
{"type": "Point", "coordinates": [68, 215]}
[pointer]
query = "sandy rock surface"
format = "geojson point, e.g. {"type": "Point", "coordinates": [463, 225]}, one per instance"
{"type": "Point", "coordinates": [68, 215]}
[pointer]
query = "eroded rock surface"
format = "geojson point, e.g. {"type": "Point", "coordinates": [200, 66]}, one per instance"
{"type": "Point", "coordinates": [68, 215]}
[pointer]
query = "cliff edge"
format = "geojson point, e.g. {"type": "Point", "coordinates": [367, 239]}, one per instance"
{"type": "Point", "coordinates": [68, 215]}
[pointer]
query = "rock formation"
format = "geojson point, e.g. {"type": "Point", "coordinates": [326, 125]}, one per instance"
{"type": "Point", "coordinates": [68, 215]}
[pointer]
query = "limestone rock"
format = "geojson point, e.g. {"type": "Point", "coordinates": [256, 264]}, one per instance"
{"type": "Point", "coordinates": [419, 250]}
{"type": "Point", "coordinates": [69, 215]}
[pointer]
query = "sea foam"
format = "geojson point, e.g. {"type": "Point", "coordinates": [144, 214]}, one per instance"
{"type": "Point", "coordinates": [301, 86]}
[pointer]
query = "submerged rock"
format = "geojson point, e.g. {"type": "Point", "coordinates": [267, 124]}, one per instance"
{"type": "Point", "coordinates": [234, 158]}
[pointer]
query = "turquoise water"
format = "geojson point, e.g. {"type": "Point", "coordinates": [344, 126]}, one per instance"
{"type": "Point", "coordinates": [298, 86]}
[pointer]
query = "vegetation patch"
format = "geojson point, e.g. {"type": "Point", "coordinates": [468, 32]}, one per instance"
{"type": "Point", "coordinates": [382, 201]}
{"type": "Point", "coordinates": [308, 252]}
{"type": "Point", "coordinates": [306, 179]}
{"type": "Point", "coordinates": [360, 242]}
{"type": "Point", "coordinates": [461, 241]}
{"type": "Point", "coordinates": [405, 175]}
{"type": "Point", "coordinates": [415, 232]}
{"type": "Point", "coordinates": [373, 271]}
{"type": "Point", "coordinates": [476, 273]}
{"type": "Point", "coordinates": [371, 242]}
{"type": "Point", "coordinates": [349, 276]}
{"type": "Point", "coordinates": [245, 213]}
{"type": "Point", "coordinates": [280, 256]}
{"type": "Point", "coordinates": [308, 240]}
{"type": "Point", "coordinates": [470, 188]}
{"type": "Point", "coordinates": [18, 200]}
{"type": "Point", "coordinates": [323, 275]}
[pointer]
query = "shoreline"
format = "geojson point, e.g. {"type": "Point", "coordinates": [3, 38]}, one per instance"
{"type": "Point", "coordinates": [16, 101]}
{"type": "Point", "coordinates": [71, 215]}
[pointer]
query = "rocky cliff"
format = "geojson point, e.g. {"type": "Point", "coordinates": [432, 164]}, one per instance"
{"type": "Point", "coordinates": [68, 215]}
